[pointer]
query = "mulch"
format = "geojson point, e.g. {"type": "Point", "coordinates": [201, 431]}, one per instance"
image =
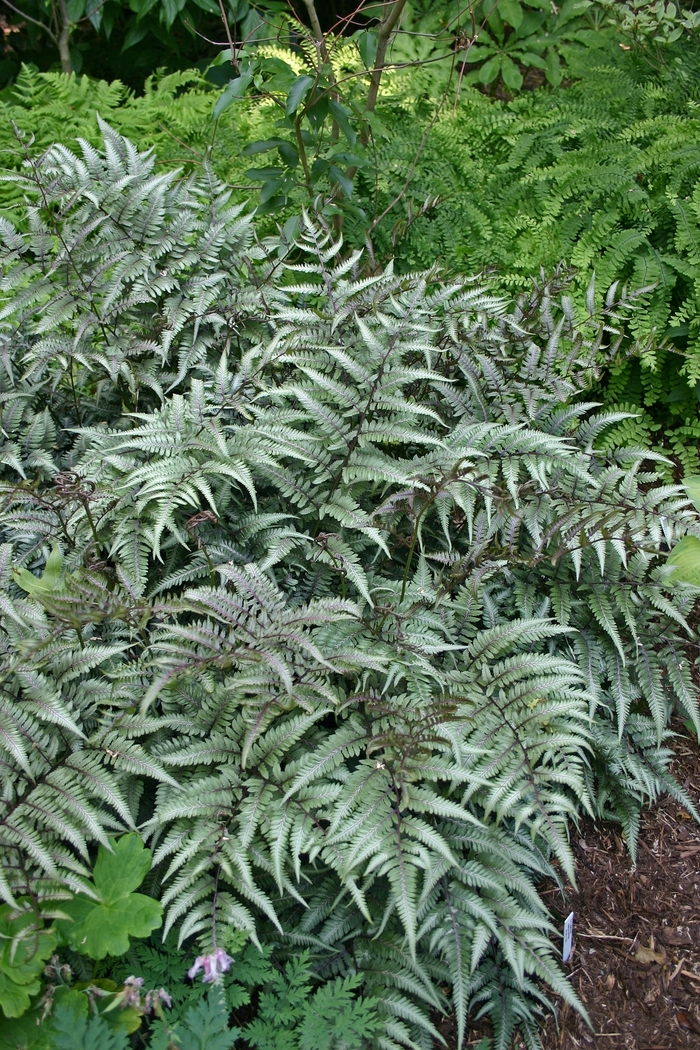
{"type": "Point", "coordinates": [636, 958]}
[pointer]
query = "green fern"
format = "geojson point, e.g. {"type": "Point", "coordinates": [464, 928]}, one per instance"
{"type": "Point", "coordinates": [354, 616]}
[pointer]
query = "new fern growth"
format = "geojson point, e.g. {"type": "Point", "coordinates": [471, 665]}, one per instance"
{"type": "Point", "coordinates": [336, 599]}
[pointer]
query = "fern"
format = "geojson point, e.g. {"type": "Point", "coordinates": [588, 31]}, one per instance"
{"type": "Point", "coordinates": [352, 616]}
{"type": "Point", "coordinates": [73, 1030]}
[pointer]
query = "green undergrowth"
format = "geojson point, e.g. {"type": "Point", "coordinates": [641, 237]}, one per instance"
{"type": "Point", "coordinates": [600, 174]}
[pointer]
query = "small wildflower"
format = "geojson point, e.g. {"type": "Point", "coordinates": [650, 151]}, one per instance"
{"type": "Point", "coordinates": [46, 1002]}
{"type": "Point", "coordinates": [131, 996]}
{"type": "Point", "coordinates": [57, 971]}
{"type": "Point", "coordinates": [153, 999]}
{"type": "Point", "coordinates": [214, 964]}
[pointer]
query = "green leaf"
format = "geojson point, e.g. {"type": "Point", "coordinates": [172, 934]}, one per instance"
{"type": "Point", "coordinates": [337, 176]}
{"type": "Point", "coordinates": [270, 189]}
{"type": "Point", "coordinates": [50, 580]}
{"type": "Point", "coordinates": [288, 154]}
{"type": "Point", "coordinates": [512, 77]}
{"type": "Point", "coordinates": [206, 1025]}
{"type": "Point", "coordinates": [75, 9]}
{"type": "Point", "coordinates": [511, 12]}
{"type": "Point", "coordinates": [692, 487]}
{"type": "Point", "coordinates": [24, 949]}
{"type": "Point", "coordinates": [367, 43]}
{"type": "Point", "coordinates": [95, 11]}
{"type": "Point", "coordinates": [263, 146]}
{"type": "Point", "coordinates": [233, 91]}
{"type": "Point", "coordinates": [342, 117]}
{"type": "Point", "coordinates": [75, 1031]}
{"type": "Point", "coordinates": [169, 10]}
{"type": "Point", "coordinates": [263, 174]}
{"type": "Point", "coordinates": [553, 69]}
{"type": "Point", "coordinates": [103, 926]}
{"type": "Point", "coordinates": [479, 53]}
{"type": "Point", "coordinates": [685, 559]}
{"type": "Point", "coordinates": [490, 70]}
{"type": "Point", "coordinates": [134, 36]}
{"type": "Point", "coordinates": [297, 93]}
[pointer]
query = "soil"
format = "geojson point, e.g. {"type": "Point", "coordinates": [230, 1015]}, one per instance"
{"type": "Point", "coordinates": [636, 957]}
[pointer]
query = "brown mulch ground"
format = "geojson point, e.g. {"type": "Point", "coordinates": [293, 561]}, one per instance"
{"type": "Point", "coordinates": [636, 957]}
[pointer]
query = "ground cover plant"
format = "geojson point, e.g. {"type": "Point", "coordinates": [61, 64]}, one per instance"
{"type": "Point", "coordinates": [319, 581]}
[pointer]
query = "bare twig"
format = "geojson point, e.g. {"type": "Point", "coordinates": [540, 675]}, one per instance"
{"type": "Point", "coordinates": [34, 21]}
{"type": "Point", "coordinates": [229, 36]}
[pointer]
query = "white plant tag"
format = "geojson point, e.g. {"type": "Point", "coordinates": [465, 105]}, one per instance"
{"type": "Point", "coordinates": [568, 937]}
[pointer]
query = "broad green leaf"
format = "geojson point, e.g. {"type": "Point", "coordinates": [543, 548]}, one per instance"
{"type": "Point", "coordinates": [511, 12]}
{"type": "Point", "coordinates": [553, 69]}
{"type": "Point", "coordinates": [479, 53]}
{"type": "Point", "coordinates": [685, 559]}
{"type": "Point", "coordinates": [75, 9]}
{"type": "Point", "coordinates": [234, 90]}
{"type": "Point", "coordinates": [270, 189]}
{"type": "Point", "coordinates": [24, 950]}
{"type": "Point", "coordinates": [342, 117]}
{"type": "Point", "coordinates": [134, 36]}
{"type": "Point", "coordinates": [529, 58]}
{"type": "Point", "coordinates": [297, 93]}
{"type": "Point", "coordinates": [367, 43]}
{"type": "Point", "coordinates": [288, 154]}
{"type": "Point", "coordinates": [103, 926]}
{"type": "Point", "coordinates": [169, 10]}
{"type": "Point", "coordinates": [263, 146]}
{"type": "Point", "coordinates": [692, 487]}
{"type": "Point", "coordinates": [94, 11]}
{"type": "Point", "coordinates": [512, 77]}
{"type": "Point", "coordinates": [49, 582]}
{"type": "Point", "coordinates": [490, 70]}
{"type": "Point", "coordinates": [337, 176]}
{"type": "Point", "coordinates": [263, 174]}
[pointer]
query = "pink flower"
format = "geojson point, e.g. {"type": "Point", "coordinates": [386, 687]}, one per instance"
{"type": "Point", "coordinates": [131, 996]}
{"type": "Point", "coordinates": [214, 964]}
{"type": "Point", "coordinates": [154, 998]}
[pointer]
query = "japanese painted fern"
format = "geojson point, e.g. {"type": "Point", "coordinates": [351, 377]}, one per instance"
{"type": "Point", "coordinates": [326, 589]}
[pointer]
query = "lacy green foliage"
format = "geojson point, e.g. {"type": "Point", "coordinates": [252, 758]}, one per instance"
{"type": "Point", "coordinates": [325, 91]}
{"type": "Point", "coordinates": [174, 113]}
{"type": "Point", "coordinates": [353, 617]}
{"type": "Point", "coordinates": [291, 1009]}
{"type": "Point", "coordinates": [206, 1027]}
{"type": "Point", "coordinates": [601, 174]}
{"type": "Point", "coordinates": [291, 1015]}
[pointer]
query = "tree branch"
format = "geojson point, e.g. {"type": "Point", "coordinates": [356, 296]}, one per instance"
{"type": "Point", "coordinates": [36, 22]}
{"type": "Point", "coordinates": [388, 24]}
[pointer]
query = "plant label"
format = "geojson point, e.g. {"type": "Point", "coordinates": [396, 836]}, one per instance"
{"type": "Point", "coordinates": [568, 937]}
